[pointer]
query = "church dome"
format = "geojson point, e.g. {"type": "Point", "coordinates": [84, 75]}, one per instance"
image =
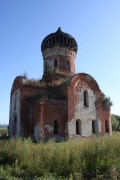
{"type": "Point", "coordinates": [59, 38]}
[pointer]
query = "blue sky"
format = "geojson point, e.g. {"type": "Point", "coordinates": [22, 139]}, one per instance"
{"type": "Point", "coordinates": [95, 24]}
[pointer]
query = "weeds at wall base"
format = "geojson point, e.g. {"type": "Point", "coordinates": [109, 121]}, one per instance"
{"type": "Point", "coordinates": [86, 159]}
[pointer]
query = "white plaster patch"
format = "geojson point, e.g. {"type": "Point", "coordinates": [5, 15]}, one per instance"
{"type": "Point", "coordinates": [24, 80]}
{"type": "Point", "coordinates": [85, 114]}
{"type": "Point", "coordinates": [72, 127]}
{"type": "Point", "coordinates": [49, 128]}
{"type": "Point", "coordinates": [66, 129]}
{"type": "Point", "coordinates": [50, 64]}
{"type": "Point", "coordinates": [15, 111]}
{"type": "Point", "coordinates": [37, 131]}
{"type": "Point", "coordinates": [58, 51]}
{"type": "Point", "coordinates": [76, 84]}
{"type": "Point", "coordinates": [87, 128]}
{"type": "Point", "coordinates": [99, 125]}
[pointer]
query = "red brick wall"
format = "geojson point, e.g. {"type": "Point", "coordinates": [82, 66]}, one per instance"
{"type": "Point", "coordinates": [18, 82]}
{"type": "Point", "coordinates": [103, 116]}
{"type": "Point", "coordinates": [46, 112]}
{"type": "Point", "coordinates": [61, 69]}
{"type": "Point", "coordinates": [86, 82]}
{"type": "Point", "coordinates": [27, 107]}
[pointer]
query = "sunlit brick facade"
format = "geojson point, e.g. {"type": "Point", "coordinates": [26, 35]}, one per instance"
{"type": "Point", "coordinates": [62, 105]}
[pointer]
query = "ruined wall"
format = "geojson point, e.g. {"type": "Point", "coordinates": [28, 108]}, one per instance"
{"type": "Point", "coordinates": [62, 55]}
{"type": "Point", "coordinates": [27, 106]}
{"type": "Point", "coordinates": [35, 117]}
{"type": "Point", "coordinates": [14, 127]}
{"type": "Point", "coordinates": [17, 83]}
{"type": "Point", "coordinates": [78, 111]}
{"type": "Point", "coordinates": [46, 111]}
{"type": "Point", "coordinates": [64, 106]}
{"type": "Point", "coordinates": [85, 114]}
{"type": "Point", "coordinates": [105, 115]}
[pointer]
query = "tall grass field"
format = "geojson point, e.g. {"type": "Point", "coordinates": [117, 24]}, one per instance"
{"type": "Point", "coordinates": [86, 159]}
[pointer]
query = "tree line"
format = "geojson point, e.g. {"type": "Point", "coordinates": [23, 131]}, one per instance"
{"type": "Point", "coordinates": [115, 122]}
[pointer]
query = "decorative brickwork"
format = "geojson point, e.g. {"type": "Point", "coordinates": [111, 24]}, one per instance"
{"type": "Point", "coordinates": [62, 105]}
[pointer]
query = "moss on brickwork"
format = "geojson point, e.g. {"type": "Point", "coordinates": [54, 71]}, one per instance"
{"type": "Point", "coordinates": [50, 93]}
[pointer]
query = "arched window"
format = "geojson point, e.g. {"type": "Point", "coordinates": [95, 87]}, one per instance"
{"type": "Point", "coordinates": [68, 66]}
{"type": "Point", "coordinates": [50, 42]}
{"type": "Point", "coordinates": [68, 42]}
{"type": "Point", "coordinates": [65, 40]}
{"type": "Point", "coordinates": [107, 126]}
{"type": "Point", "coordinates": [93, 126]}
{"type": "Point", "coordinates": [86, 100]}
{"type": "Point", "coordinates": [55, 64]}
{"type": "Point", "coordinates": [55, 127]}
{"type": "Point", "coordinates": [53, 40]}
{"type": "Point", "coordinates": [78, 127]}
{"type": "Point", "coordinates": [57, 39]}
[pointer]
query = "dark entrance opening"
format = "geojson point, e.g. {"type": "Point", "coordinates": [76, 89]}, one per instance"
{"type": "Point", "coordinates": [55, 127]}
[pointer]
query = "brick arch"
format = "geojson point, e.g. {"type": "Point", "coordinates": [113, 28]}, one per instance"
{"type": "Point", "coordinates": [84, 79]}
{"type": "Point", "coordinates": [18, 82]}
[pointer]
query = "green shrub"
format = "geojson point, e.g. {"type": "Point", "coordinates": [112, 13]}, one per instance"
{"type": "Point", "coordinates": [3, 134]}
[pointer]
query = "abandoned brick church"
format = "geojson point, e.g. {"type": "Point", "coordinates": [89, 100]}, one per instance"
{"type": "Point", "coordinates": [62, 104]}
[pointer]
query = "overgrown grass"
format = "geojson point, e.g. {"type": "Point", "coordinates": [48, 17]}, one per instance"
{"type": "Point", "coordinates": [85, 159]}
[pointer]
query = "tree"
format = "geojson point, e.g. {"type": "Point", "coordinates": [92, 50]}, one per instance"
{"type": "Point", "coordinates": [106, 101]}
{"type": "Point", "coordinates": [115, 122]}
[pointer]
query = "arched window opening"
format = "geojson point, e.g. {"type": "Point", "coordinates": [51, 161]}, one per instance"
{"type": "Point", "coordinates": [49, 42]}
{"type": "Point", "coordinates": [71, 43]}
{"type": "Point", "coordinates": [68, 42]}
{"type": "Point", "coordinates": [86, 100]}
{"type": "Point", "coordinates": [68, 66]}
{"type": "Point", "coordinates": [55, 127]}
{"type": "Point", "coordinates": [78, 127]}
{"type": "Point", "coordinates": [57, 39]}
{"type": "Point", "coordinates": [55, 64]}
{"type": "Point", "coordinates": [53, 40]}
{"type": "Point", "coordinates": [65, 41]}
{"type": "Point", "coordinates": [107, 126]}
{"type": "Point", "coordinates": [93, 127]}
{"type": "Point", "coordinates": [61, 40]}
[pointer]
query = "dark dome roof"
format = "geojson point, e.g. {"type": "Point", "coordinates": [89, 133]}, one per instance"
{"type": "Point", "coordinates": [59, 38]}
